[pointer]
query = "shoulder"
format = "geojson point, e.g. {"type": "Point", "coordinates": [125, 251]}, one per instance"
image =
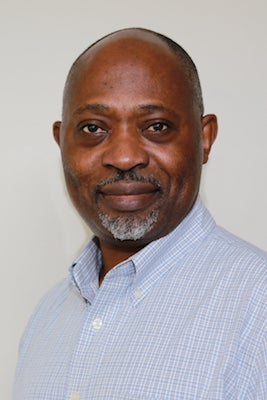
{"type": "Point", "coordinates": [54, 296]}
{"type": "Point", "coordinates": [242, 268]}
{"type": "Point", "coordinates": [236, 251]}
{"type": "Point", "coordinates": [230, 270]}
{"type": "Point", "coordinates": [49, 307]}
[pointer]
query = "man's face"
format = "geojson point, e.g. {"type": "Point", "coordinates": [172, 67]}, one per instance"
{"type": "Point", "coordinates": [131, 141]}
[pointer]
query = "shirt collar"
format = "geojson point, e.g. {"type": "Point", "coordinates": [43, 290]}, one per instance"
{"type": "Point", "coordinates": [158, 257]}
{"type": "Point", "coordinates": [150, 263]}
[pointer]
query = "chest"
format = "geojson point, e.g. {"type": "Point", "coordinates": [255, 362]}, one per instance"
{"type": "Point", "coordinates": [127, 345]}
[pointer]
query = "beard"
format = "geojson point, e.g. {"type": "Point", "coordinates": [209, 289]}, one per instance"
{"type": "Point", "coordinates": [130, 227]}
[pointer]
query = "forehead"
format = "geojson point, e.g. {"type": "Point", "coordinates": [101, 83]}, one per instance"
{"type": "Point", "coordinates": [133, 45]}
{"type": "Point", "coordinates": [128, 64]}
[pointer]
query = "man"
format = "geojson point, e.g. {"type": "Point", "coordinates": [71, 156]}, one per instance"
{"type": "Point", "coordinates": [162, 303]}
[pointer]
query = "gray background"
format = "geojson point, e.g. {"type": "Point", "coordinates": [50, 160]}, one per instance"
{"type": "Point", "coordinates": [40, 231]}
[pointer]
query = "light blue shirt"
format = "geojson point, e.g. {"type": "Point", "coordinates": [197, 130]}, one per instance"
{"type": "Point", "coordinates": [185, 318]}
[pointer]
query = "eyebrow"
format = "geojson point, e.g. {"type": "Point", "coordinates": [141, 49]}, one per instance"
{"type": "Point", "coordinates": [154, 107]}
{"type": "Point", "coordinates": [92, 107]}
{"type": "Point", "coordinates": [98, 107]}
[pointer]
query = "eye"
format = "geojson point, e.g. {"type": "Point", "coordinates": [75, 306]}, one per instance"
{"type": "Point", "coordinates": [159, 127]}
{"type": "Point", "coordinates": [93, 129]}
{"type": "Point", "coordinates": [159, 131]}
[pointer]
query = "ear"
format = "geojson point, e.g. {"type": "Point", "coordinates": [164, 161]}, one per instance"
{"type": "Point", "coordinates": [56, 131]}
{"type": "Point", "coordinates": [209, 134]}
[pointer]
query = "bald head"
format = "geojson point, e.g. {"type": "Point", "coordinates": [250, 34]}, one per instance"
{"type": "Point", "coordinates": [139, 38]}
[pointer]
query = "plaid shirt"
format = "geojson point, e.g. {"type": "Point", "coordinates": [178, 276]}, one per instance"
{"type": "Point", "coordinates": [184, 318]}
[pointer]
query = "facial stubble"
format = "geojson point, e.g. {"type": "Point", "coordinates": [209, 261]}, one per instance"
{"type": "Point", "coordinates": [129, 227]}
{"type": "Point", "coordinates": [137, 225]}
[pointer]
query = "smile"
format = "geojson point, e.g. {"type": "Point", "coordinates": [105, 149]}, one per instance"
{"type": "Point", "coordinates": [128, 196]}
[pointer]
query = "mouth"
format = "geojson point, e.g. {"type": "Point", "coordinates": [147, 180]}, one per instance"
{"type": "Point", "coordinates": [128, 196]}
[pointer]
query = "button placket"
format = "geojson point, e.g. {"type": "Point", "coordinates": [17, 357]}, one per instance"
{"type": "Point", "coordinates": [101, 314]}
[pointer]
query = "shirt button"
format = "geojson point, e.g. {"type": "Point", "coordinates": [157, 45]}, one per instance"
{"type": "Point", "coordinates": [138, 294]}
{"type": "Point", "coordinates": [97, 323]}
{"type": "Point", "coordinates": [75, 396]}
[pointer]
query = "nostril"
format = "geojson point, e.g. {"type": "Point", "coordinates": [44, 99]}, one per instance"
{"type": "Point", "coordinates": [125, 156]}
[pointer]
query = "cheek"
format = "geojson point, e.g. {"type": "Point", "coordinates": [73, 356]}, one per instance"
{"type": "Point", "coordinates": [77, 177]}
{"type": "Point", "coordinates": [182, 169]}
{"type": "Point", "coordinates": [78, 164]}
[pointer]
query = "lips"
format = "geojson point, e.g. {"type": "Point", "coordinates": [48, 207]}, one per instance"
{"type": "Point", "coordinates": [128, 195]}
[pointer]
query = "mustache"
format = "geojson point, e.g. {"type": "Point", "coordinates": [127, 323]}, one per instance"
{"type": "Point", "coordinates": [126, 176]}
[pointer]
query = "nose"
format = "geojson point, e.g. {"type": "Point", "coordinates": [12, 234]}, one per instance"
{"type": "Point", "coordinates": [125, 150]}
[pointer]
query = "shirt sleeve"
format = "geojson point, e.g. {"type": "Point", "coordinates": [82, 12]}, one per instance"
{"type": "Point", "coordinates": [258, 387]}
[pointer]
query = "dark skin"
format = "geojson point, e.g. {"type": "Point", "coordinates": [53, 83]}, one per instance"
{"type": "Point", "coordinates": [129, 107]}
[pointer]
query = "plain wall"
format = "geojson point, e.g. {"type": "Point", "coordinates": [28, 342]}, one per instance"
{"type": "Point", "coordinates": [40, 231]}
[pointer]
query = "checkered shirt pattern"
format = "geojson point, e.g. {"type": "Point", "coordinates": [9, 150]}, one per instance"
{"type": "Point", "coordinates": [184, 318]}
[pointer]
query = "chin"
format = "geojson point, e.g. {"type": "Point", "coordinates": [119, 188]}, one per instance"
{"type": "Point", "coordinates": [131, 227]}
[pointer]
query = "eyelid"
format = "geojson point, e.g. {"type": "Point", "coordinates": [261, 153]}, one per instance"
{"type": "Point", "coordinates": [167, 125]}
{"type": "Point", "coordinates": [157, 120]}
{"type": "Point", "coordinates": [158, 123]}
{"type": "Point", "coordinates": [87, 125]}
{"type": "Point", "coordinates": [99, 124]}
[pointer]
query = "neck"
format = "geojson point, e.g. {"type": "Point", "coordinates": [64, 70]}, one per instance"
{"type": "Point", "coordinates": [113, 255]}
